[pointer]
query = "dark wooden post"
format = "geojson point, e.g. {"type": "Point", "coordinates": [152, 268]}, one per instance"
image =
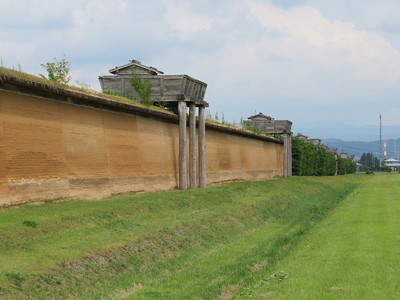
{"type": "Point", "coordinates": [285, 154]}
{"type": "Point", "coordinates": [290, 165]}
{"type": "Point", "coordinates": [336, 158]}
{"type": "Point", "coordinates": [202, 147]}
{"type": "Point", "coordinates": [182, 145]}
{"type": "Point", "coordinates": [192, 145]}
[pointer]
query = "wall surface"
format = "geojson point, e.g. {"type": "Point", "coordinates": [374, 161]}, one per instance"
{"type": "Point", "coordinates": [55, 150]}
{"type": "Point", "coordinates": [231, 157]}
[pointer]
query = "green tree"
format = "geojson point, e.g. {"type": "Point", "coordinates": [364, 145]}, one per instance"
{"type": "Point", "coordinates": [143, 87]}
{"type": "Point", "coordinates": [310, 160]}
{"type": "Point", "coordinates": [369, 161]}
{"type": "Point", "coordinates": [57, 71]}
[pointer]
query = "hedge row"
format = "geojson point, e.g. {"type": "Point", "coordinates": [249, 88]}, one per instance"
{"type": "Point", "coordinates": [309, 160]}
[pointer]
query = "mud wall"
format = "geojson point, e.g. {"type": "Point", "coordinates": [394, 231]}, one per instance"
{"type": "Point", "coordinates": [55, 150]}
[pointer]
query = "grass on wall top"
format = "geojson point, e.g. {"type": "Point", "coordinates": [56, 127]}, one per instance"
{"type": "Point", "coordinates": [36, 81]}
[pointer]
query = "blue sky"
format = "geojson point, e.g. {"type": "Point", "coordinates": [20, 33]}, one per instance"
{"type": "Point", "coordinates": [305, 60]}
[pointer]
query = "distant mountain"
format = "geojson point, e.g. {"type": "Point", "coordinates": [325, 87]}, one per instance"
{"type": "Point", "coordinates": [359, 147]}
{"type": "Point", "coordinates": [336, 130]}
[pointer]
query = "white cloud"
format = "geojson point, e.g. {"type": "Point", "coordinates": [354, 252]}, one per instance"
{"type": "Point", "coordinates": [333, 44]}
{"type": "Point", "coordinates": [181, 18]}
{"type": "Point", "coordinates": [122, 5]}
{"type": "Point", "coordinates": [298, 62]}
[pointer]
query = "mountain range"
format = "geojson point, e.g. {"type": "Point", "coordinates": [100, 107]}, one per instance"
{"type": "Point", "coordinates": [346, 132]}
{"type": "Point", "coordinates": [353, 139]}
{"type": "Point", "coordinates": [358, 148]}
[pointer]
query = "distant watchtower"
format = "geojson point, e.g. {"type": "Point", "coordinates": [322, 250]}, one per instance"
{"type": "Point", "coordinates": [270, 125]}
{"type": "Point", "coordinates": [178, 92]}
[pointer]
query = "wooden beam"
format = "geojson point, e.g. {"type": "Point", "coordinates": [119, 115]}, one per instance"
{"type": "Point", "coordinates": [336, 162]}
{"type": "Point", "coordinates": [290, 166]}
{"type": "Point", "coordinates": [192, 145]}
{"type": "Point", "coordinates": [285, 154]}
{"type": "Point", "coordinates": [202, 147]}
{"type": "Point", "coordinates": [182, 146]}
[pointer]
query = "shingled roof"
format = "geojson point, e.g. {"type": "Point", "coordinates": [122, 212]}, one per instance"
{"type": "Point", "coordinates": [138, 64]}
{"type": "Point", "coordinates": [259, 116]}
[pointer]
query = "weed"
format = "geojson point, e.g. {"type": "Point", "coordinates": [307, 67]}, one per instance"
{"type": "Point", "coordinates": [117, 265]}
{"type": "Point", "coordinates": [51, 280]}
{"type": "Point", "coordinates": [85, 87]}
{"type": "Point", "coordinates": [30, 223]}
{"type": "Point", "coordinates": [110, 92]}
{"type": "Point", "coordinates": [143, 87]}
{"type": "Point", "coordinates": [277, 278]}
{"type": "Point", "coordinates": [15, 278]}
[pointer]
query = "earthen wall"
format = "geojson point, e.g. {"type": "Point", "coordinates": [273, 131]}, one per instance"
{"type": "Point", "coordinates": [55, 150]}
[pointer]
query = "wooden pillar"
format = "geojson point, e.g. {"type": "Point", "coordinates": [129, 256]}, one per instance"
{"type": "Point", "coordinates": [285, 155]}
{"type": "Point", "coordinates": [336, 162]}
{"type": "Point", "coordinates": [290, 171]}
{"type": "Point", "coordinates": [192, 145]}
{"type": "Point", "coordinates": [202, 147]}
{"type": "Point", "coordinates": [182, 145]}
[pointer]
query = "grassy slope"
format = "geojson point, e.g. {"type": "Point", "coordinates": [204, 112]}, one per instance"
{"type": "Point", "coordinates": [352, 254]}
{"type": "Point", "coordinates": [177, 245]}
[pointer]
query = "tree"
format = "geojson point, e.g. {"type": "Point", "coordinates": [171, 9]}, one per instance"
{"type": "Point", "coordinates": [57, 71]}
{"type": "Point", "coordinates": [143, 87]}
{"type": "Point", "coordinates": [309, 160]}
{"type": "Point", "coordinates": [369, 161]}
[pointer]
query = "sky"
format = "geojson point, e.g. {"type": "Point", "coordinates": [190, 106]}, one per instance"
{"type": "Point", "coordinates": [304, 60]}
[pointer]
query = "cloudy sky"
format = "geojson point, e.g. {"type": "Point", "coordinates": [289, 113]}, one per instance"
{"type": "Point", "coordinates": [302, 60]}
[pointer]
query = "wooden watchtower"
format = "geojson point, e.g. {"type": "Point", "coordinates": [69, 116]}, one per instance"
{"type": "Point", "coordinates": [177, 92]}
{"type": "Point", "coordinates": [268, 124]}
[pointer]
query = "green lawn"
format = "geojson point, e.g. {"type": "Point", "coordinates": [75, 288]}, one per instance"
{"type": "Point", "coordinates": [354, 253]}
{"type": "Point", "coordinates": [208, 243]}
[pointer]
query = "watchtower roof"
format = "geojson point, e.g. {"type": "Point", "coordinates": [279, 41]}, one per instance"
{"type": "Point", "coordinates": [260, 116]}
{"type": "Point", "coordinates": [136, 64]}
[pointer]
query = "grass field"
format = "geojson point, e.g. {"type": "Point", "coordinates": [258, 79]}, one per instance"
{"type": "Point", "coordinates": [231, 240]}
{"type": "Point", "coordinates": [354, 253]}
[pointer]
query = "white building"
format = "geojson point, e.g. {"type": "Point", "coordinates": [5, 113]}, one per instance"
{"type": "Point", "coordinates": [393, 163]}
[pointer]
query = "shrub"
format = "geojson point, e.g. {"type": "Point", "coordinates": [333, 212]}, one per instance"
{"type": "Point", "coordinates": [310, 160]}
{"type": "Point", "coordinates": [57, 71]}
{"type": "Point", "coordinates": [110, 92]}
{"type": "Point", "coordinates": [143, 87]}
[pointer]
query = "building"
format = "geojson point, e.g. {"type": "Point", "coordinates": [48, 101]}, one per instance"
{"type": "Point", "coordinates": [345, 155]}
{"type": "Point", "coordinates": [314, 141]}
{"type": "Point", "coordinates": [269, 125]}
{"type": "Point", "coordinates": [393, 164]}
{"type": "Point", "coordinates": [166, 89]}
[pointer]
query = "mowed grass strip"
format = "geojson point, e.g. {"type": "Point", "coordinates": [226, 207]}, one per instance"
{"type": "Point", "coordinates": [203, 243]}
{"type": "Point", "coordinates": [354, 253]}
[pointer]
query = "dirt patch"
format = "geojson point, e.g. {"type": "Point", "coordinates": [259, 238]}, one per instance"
{"type": "Point", "coordinates": [228, 292]}
{"type": "Point", "coordinates": [198, 211]}
{"type": "Point", "coordinates": [336, 289]}
{"type": "Point", "coordinates": [258, 266]}
{"type": "Point", "coordinates": [122, 294]}
{"type": "Point", "coordinates": [267, 295]}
